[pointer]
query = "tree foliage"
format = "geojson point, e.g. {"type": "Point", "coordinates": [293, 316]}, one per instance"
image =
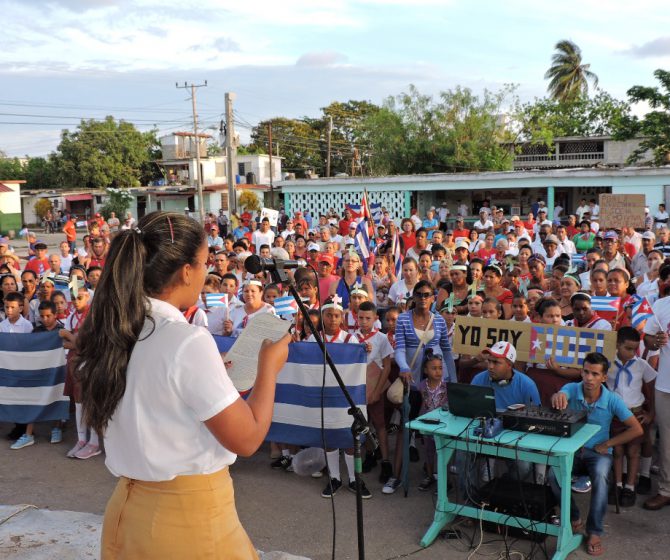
{"type": "Point", "coordinates": [42, 207]}
{"type": "Point", "coordinates": [249, 201]}
{"type": "Point", "coordinates": [118, 201]}
{"type": "Point", "coordinates": [545, 119]}
{"type": "Point", "coordinates": [11, 169]}
{"type": "Point", "coordinates": [101, 154]}
{"type": "Point", "coordinates": [458, 131]}
{"type": "Point", "coordinates": [654, 126]}
{"type": "Point", "coordinates": [568, 77]}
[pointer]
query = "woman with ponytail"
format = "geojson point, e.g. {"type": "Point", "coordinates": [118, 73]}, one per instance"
{"type": "Point", "coordinates": [157, 389]}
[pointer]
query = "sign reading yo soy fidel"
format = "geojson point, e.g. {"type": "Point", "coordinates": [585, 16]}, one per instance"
{"type": "Point", "coordinates": [619, 210]}
{"type": "Point", "coordinates": [533, 342]}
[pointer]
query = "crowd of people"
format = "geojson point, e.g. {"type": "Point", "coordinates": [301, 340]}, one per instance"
{"type": "Point", "coordinates": [400, 297]}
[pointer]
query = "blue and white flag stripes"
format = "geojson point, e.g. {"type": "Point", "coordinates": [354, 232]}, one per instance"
{"type": "Point", "coordinates": [376, 212]}
{"type": "Point", "coordinates": [397, 255]}
{"type": "Point", "coordinates": [285, 305]}
{"type": "Point", "coordinates": [578, 259]}
{"type": "Point", "coordinates": [297, 412]}
{"type": "Point", "coordinates": [32, 377]}
{"type": "Point", "coordinates": [216, 300]}
{"type": "Point", "coordinates": [605, 303]}
{"type": "Point", "coordinates": [362, 240]}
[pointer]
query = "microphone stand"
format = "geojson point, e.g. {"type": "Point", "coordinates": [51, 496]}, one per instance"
{"type": "Point", "coordinates": [359, 425]}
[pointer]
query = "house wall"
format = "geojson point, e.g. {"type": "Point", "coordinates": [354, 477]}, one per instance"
{"type": "Point", "coordinates": [10, 209]}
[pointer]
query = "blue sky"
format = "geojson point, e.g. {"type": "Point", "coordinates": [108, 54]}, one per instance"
{"type": "Point", "coordinates": [62, 60]}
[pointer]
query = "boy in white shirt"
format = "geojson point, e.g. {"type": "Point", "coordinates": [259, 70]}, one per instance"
{"type": "Point", "coordinates": [380, 353]}
{"type": "Point", "coordinates": [15, 322]}
{"type": "Point", "coordinates": [633, 379]}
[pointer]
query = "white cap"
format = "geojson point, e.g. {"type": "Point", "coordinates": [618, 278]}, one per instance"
{"type": "Point", "coordinates": [502, 349]}
{"type": "Point", "coordinates": [313, 247]}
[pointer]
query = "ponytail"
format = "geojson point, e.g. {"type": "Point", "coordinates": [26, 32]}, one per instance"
{"type": "Point", "coordinates": [141, 263]}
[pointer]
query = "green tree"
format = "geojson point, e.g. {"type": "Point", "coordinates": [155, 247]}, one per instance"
{"type": "Point", "coordinates": [460, 131]}
{"type": "Point", "coordinates": [545, 119]}
{"type": "Point", "coordinates": [569, 77]}
{"type": "Point", "coordinates": [118, 201]}
{"type": "Point", "coordinates": [653, 127]}
{"type": "Point", "coordinates": [42, 207]}
{"type": "Point", "coordinates": [101, 154]}
{"type": "Point", "coordinates": [298, 142]}
{"type": "Point", "coordinates": [41, 174]}
{"type": "Point", "coordinates": [11, 169]}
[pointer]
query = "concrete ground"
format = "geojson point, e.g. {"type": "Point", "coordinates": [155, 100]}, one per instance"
{"type": "Point", "coordinates": [282, 511]}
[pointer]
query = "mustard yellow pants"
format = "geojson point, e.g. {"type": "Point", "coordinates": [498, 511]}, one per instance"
{"type": "Point", "coordinates": [190, 517]}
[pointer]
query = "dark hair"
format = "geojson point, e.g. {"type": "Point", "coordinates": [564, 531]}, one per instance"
{"type": "Point", "coordinates": [29, 271]}
{"type": "Point", "coordinates": [230, 276]}
{"type": "Point", "coordinates": [14, 296]}
{"type": "Point", "coordinates": [93, 269]}
{"type": "Point", "coordinates": [240, 243]}
{"type": "Point", "coordinates": [496, 302]}
{"type": "Point", "coordinates": [142, 262]}
{"type": "Point", "coordinates": [597, 359]}
{"type": "Point", "coordinates": [271, 287]}
{"type": "Point", "coordinates": [625, 334]}
{"type": "Point", "coordinates": [47, 305]}
{"type": "Point", "coordinates": [429, 356]}
{"type": "Point", "coordinates": [368, 306]}
{"type": "Point", "coordinates": [57, 293]}
{"type": "Point", "coordinates": [422, 284]}
{"type": "Point", "coordinates": [544, 304]}
{"type": "Point", "coordinates": [580, 296]}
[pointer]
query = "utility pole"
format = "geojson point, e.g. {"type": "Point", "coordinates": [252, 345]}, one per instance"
{"type": "Point", "coordinates": [272, 190]}
{"type": "Point", "coordinates": [330, 134]}
{"type": "Point", "coordinates": [231, 154]}
{"type": "Point", "coordinates": [201, 200]}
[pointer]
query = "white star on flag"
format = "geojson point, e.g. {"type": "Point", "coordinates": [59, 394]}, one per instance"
{"type": "Point", "coordinates": [537, 344]}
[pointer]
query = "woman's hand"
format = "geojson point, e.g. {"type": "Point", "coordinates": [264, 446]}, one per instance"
{"type": "Point", "coordinates": [227, 328]}
{"type": "Point", "coordinates": [273, 355]}
{"type": "Point", "coordinates": [406, 377]}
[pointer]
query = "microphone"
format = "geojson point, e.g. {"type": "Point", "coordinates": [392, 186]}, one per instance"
{"type": "Point", "coordinates": [255, 264]}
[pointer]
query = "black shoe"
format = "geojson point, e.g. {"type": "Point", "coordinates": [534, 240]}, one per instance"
{"type": "Point", "coordinates": [378, 453]}
{"type": "Point", "coordinates": [284, 462]}
{"type": "Point", "coordinates": [387, 472]}
{"type": "Point", "coordinates": [627, 498]}
{"type": "Point", "coordinates": [17, 431]}
{"type": "Point", "coordinates": [365, 493]}
{"type": "Point", "coordinates": [331, 488]}
{"type": "Point", "coordinates": [643, 485]}
{"type": "Point", "coordinates": [426, 483]}
{"type": "Point", "coordinates": [413, 454]}
{"type": "Point", "coordinates": [614, 491]}
{"type": "Point", "coordinates": [369, 462]}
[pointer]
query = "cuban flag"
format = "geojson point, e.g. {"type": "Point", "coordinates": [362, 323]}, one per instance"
{"type": "Point", "coordinates": [641, 312]}
{"type": "Point", "coordinates": [297, 410]}
{"type": "Point", "coordinates": [578, 259]}
{"type": "Point", "coordinates": [216, 300]}
{"type": "Point", "coordinates": [397, 256]}
{"type": "Point", "coordinates": [32, 377]}
{"type": "Point", "coordinates": [376, 212]}
{"type": "Point", "coordinates": [286, 305]}
{"type": "Point", "coordinates": [606, 303]}
{"type": "Point", "coordinates": [356, 211]}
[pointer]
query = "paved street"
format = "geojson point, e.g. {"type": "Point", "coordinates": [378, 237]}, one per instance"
{"type": "Point", "coordinates": [282, 511]}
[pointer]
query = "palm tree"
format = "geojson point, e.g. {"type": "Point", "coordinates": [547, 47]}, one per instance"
{"type": "Point", "coordinates": [569, 77]}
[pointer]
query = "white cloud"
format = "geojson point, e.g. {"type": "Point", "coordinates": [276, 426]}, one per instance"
{"type": "Point", "coordinates": [324, 58]}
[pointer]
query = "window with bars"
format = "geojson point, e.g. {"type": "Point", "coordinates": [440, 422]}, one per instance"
{"type": "Point", "coordinates": [320, 203]}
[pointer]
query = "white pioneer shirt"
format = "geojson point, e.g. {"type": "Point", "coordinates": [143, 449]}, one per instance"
{"type": "Point", "coordinates": [174, 382]}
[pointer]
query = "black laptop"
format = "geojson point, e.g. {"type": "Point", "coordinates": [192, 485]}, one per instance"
{"type": "Point", "coordinates": [471, 401]}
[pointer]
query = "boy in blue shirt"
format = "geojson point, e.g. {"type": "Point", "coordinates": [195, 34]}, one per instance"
{"type": "Point", "coordinates": [595, 458]}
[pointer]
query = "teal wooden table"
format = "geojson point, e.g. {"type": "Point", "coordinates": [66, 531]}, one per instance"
{"type": "Point", "coordinates": [456, 433]}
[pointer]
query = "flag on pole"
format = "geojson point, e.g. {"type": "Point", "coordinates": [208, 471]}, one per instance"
{"type": "Point", "coordinates": [297, 410]}
{"type": "Point", "coordinates": [286, 305]}
{"type": "Point", "coordinates": [376, 213]}
{"type": "Point", "coordinates": [356, 211]}
{"type": "Point", "coordinates": [32, 377]}
{"type": "Point", "coordinates": [605, 303]}
{"type": "Point", "coordinates": [397, 255]}
{"type": "Point", "coordinates": [362, 240]}
{"type": "Point", "coordinates": [641, 312]}
{"type": "Point", "coordinates": [216, 300]}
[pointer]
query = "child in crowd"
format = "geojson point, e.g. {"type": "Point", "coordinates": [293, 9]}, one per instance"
{"type": "Point", "coordinates": [86, 446]}
{"type": "Point", "coordinates": [332, 315]}
{"type": "Point", "coordinates": [44, 291]}
{"type": "Point", "coordinates": [520, 309]}
{"type": "Point", "coordinates": [379, 355]}
{"type": "Point", "coordinates": [62, 305]}
{"type": "Point", "coordinates": [270, 293]}
{"type": "Point", "coordinates": [15, 322]}
{"type": "Point", "coordinates": [633, 379]}
{"type": "Point", "coordinates": [475, 305]}
{"type": "Point", "coordinates": [433, 391]}
{"type": "Point", "coordinates": [93, 274]}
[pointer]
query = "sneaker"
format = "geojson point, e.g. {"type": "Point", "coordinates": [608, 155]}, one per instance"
{"type": "Point", "coordinates": [627, 498]}
{"type": "Point", "coordinates": [387, 472]}
{"type": "Point", "coordinates": [331, 488]}
{"type": "Point", "coordinates": [56, 435]}
{"type": "Point", "coordinates": [76, 449]}
{"type": "Point", "coordinates": [391, 486]}
{"type": "Point", "coordinates": [284, 462]}
{"type": "Point", "coordinates": [24, 441]}
{"type": "Point", "coordinates": [643, 485]}
{"type": "Point", "coordinates": [88, 451]}
{"type": "Point", "coordinates": [369, 463]}
{"type": "Point", "coordinates": [413, 454]}
{"type": "Point", "coordinates": [581, 484]}
{"type": "Point", "coordinates": [365, 493]}
{"type": "Point", "coordinates": [613, 494]}
{"type": "Point", "coordinates": [392, 429]}
{"type": "Point", "coordinates": [426, 483]}
{"type": "Point", "coordinates": [317, 474]}
{"type": "Point", "coordinates": [655, 469]}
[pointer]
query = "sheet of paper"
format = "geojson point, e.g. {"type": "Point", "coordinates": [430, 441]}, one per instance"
{"type": "Point", "coordinates": [243, 355]}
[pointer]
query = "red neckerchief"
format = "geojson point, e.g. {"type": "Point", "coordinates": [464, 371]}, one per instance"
{"type": "Point", "coordinates": [353, 327]}
{"type": "Point", "coordinates": [591, 321]}
{"type": "Point", "coordinates": [79, 318]}
{"type": "Point", "coordinates": [391, 339]}
{"type": "Point", "coordinates": [335, 336]}
{"type": "Point", "coordinates": [364, 338]}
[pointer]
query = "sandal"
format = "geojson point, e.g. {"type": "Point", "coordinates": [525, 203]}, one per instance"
{"type": "Point", "coordinates": [594, 548]}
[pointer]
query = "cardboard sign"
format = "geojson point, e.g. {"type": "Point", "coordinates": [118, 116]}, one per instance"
{"type": "Point", "coordinates": [273, 216]}
{"type": "Point", "coordinates": [533, 342]}
{"type": "Point", "coordinates": [618, 210]}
